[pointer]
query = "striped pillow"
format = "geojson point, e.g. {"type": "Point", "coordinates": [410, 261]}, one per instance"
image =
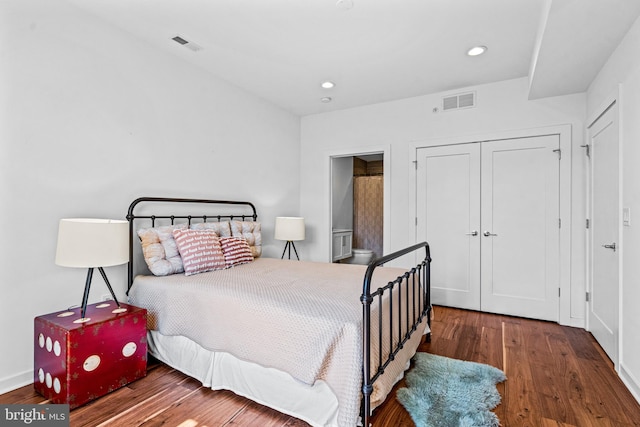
{"type": "Point", "coordinates": [200, 250]}
{"type": "Point", "coordinates": [236, 251]}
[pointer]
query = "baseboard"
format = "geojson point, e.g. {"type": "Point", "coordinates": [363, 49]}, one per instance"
{"type": "Point", "coordinates": [11, 383]}
{"type": "Point", "coordinates": [630, 381]}
{"type": "Point", "coordinates": [575, 322]}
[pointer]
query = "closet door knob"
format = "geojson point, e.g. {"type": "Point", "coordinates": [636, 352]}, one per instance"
{"type": "Point", "coordinates": [473, 233]}
{"type": "Point", "coordinates": [488, 233]}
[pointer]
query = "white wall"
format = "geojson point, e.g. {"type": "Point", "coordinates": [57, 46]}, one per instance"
{"type": "Point", "coordinates": [402, 125]}
{"type": "Point", "coordinates": [623, 71]}
{"type": "Point", "coordinates": [91, 118]}
{"type": "Point", "coordinates": [342, 193]}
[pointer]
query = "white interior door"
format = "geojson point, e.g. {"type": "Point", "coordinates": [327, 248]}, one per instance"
{"type": "Point", "coordinates": [490, 212]}
{"type": "Point", "coordinates": [448, 208]}
{"type": "Point", "coordinates": [604, 242]}
{"type": "Point", "coordinates": [521, 227]}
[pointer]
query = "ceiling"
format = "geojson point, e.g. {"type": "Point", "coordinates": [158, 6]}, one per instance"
{"type": "Point", "coordinates": [379, 50]}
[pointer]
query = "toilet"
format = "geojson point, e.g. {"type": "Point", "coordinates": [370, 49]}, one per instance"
{"type": "Point", "coordinates": [360, 256]}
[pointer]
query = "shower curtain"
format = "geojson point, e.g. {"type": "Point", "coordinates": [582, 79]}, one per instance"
{"type": "Point", "coordinates": [368, 210]}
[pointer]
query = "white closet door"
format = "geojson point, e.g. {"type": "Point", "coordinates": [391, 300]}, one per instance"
{"type": "Point", "coordinates": [490, 212]}
{"type": "Point", "coordinates": [448, 210]}
{"type": "Point", "coordinates": [520, 227]}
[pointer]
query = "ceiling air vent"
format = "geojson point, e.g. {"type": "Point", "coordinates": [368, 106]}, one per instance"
{"type": "Point", "coordinates": [456, 102]}
{"type": "Point", "coordinates": [186, 43]}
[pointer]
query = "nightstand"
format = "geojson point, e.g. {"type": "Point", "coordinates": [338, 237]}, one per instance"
{"type": "Point", "coordinates": [77, 360]}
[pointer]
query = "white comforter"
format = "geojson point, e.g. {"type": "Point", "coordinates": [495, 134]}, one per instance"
{"type": "Point", "coordinates": [302, 318]}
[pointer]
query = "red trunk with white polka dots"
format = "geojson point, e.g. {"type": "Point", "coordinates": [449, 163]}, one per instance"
{"type": "Point", "coordinates": [77, 360]}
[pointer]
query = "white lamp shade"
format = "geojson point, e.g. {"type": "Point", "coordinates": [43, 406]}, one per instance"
{"type": "Point", "coordinates": [289, 228]}
{"type": "Point", "coordinates": [86, 242]}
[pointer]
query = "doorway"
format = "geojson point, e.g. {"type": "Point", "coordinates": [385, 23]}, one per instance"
{"type": "Point", "coordinates": [357, 207]}
{"type": "Point", "coordinates": [491, 213]}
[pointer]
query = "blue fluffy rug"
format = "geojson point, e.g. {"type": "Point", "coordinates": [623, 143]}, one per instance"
{"type": "Point", "coordinates": [444, 392]}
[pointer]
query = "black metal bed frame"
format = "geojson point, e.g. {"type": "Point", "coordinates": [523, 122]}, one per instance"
{"type": "Point", "coordinates": [412, 289]}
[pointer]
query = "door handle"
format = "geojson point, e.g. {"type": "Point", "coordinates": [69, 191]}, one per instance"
{"type": "Point", "coordinates": [473, 233]}
{"type": "Point", "coordinates": [611, 246]}
{"type": "Point", "coordinates": [488, 233]}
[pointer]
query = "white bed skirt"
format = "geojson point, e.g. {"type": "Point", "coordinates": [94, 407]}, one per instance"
{"type": "Point", "coordinates": [317, 404]}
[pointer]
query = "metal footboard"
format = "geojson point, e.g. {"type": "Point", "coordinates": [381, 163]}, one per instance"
{"type": "Point", "coordinates": [412, 292]}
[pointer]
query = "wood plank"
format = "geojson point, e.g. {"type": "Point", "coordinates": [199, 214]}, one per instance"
{"type": "Point", "coordinates": [583, 344]}
{"type": "Point", "coordinates": [204, 407]}
{"type": "Point", "coordinates": [166, 385]}
{"type": "Point", "coordinates": [146, 409]}
{"type": "Point", "coordinates": [258, 415]}
{"type": "Point", "coordinates": [489, 348]}
{"type": "Point", "coordinates": [23, 395]}
{"type": "Point", "coordinates": [604, 397]}
{"type": "Point", "coordinates": [521, 401]}
{"type": "Point", "coordinates": [546, 422]}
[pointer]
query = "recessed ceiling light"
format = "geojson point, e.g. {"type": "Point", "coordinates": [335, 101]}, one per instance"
{"type": "Point", "coordinates": [326, 99]}
{"type": "Point", "coordinates": [477, 50]}
{"type": "Point", "coordinates": [327, 84]}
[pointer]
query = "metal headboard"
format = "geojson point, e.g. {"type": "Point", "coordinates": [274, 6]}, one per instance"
{"type": "Point", "coordinates": [131, 217]}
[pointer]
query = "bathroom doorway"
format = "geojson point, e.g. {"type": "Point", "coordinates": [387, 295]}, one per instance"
{"type": "Point", "coordinates": [357, 207]}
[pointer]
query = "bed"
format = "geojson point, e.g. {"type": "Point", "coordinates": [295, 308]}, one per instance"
{"type": "Point", "coordinates": [319, 341]}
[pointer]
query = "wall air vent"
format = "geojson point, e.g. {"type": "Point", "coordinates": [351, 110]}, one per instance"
{"type": "Point", "coordinates": [186, 43]}
{"type": "Point", "coordinates": [456, 102]}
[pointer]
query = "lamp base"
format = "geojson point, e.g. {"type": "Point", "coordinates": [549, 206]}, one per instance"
{"type": "Point", "coordinates": [87, 286]}
{"type": "Point", "coordinates": [289, 245]}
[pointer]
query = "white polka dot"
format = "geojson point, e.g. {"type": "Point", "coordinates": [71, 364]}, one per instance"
{"type": "Point", "coordinates": [48, 379]}
{"type": "Point", "coordinates": [41, 340]}
{"type": "Point", "coordinates": [119, 310]}
{"type": "Point", "coordinates": [129, 349]}
{"type": "Point", "coordinates": [56, 385]}
{"type": "Point", "coordinates": [91, 363]}
{"type": "Point", "coordinates": [103, 305]}
{"type": "Point", "coordinates": [49, 344]}
{"type": "Point", "coordinates": [56, 348]}
{"type": "Point", "coordinates": [41, 375]}
{"type": "Point", "coordinates": [82, 320]}
{"type": "Point", "coordinates": [66, 314]}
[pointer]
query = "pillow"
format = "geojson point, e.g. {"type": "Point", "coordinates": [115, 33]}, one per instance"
{"type": "Point", "coordinates": [222, 229]}
{"type": "Point", "coordinates": [200, 251]}
{"type": "Point", "coordinates": [251, 232]}
{"type": "Point", "coordinates": [236, 251]}
{"type": "Point", "coordinates": [160, 251]}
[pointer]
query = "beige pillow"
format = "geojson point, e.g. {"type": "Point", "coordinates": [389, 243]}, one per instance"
{"type": "Point", "coordinates": [222, 229]}
{"type": "Point", "coordinates": [251, 231]}
{"type": "Point", "coordinates": [160, 250]}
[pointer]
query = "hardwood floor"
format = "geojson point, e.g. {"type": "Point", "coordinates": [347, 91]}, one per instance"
{"type": "Point", "coordinates": [556, 377]}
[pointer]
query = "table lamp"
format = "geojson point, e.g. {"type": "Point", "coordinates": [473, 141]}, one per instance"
{"type": "Point", "coordinates": [92, 243]}
{"type": "Point", "coordinates": [289, 229]}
